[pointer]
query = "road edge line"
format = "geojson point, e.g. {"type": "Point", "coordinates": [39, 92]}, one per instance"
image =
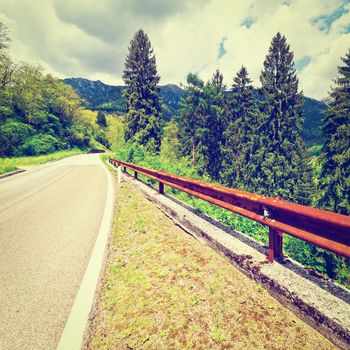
{"type": "Point", "coordinates": [73, 334]}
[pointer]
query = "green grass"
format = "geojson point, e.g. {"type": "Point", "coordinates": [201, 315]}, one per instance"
{"type": "Point", "coordinates": [165, 290]}
{"type": "Point", "coordinates": [11, 164]}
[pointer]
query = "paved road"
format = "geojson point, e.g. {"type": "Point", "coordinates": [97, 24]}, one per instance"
{"type": "Point", "coordinates": [49, 220]}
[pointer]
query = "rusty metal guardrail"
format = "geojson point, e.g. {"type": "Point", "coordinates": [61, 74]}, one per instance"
{"type": "Point", "coordinates": [322, 228]}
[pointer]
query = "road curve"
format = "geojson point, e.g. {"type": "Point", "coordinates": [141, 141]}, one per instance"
{"type": "Point", "coordinates": [49, 220]}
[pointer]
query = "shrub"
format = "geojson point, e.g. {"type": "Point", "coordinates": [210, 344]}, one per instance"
{"type": "Point", "coordinates": [39, 144]}
{"type": "Point", "coordinates": [12, 135]}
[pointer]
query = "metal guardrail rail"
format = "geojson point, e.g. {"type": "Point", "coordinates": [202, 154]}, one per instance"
{"type": "Point", "coordinates": [322, 228]}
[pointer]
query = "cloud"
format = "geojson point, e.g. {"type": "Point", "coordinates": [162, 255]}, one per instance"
{"type": "Point", "coordinates": [90, 38]}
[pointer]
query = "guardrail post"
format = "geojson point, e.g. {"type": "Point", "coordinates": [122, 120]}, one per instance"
{"type": "Point", "coordinates": [275, 244]}
{"type": "Point", "coordinates": [119, 175]}
{"type": "Point", "coordinates": [161, 188]}
{"type": "Point", "coordinates": [124, 169]}
{"type": "Point", "coordinates": [135, 174]}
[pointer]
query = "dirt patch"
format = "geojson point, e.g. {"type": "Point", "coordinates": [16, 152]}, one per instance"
{"type": "Point", "coordinates": [165, 290]}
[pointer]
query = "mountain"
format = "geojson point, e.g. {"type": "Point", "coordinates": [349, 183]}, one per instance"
{"type": "Point", "coordinates": [98, 95]}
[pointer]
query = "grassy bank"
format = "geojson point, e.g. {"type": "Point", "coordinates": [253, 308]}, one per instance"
{"type": "Point", "coordinates": [165, 290]}
{"type": "Point", "coordinates": [11, 164]}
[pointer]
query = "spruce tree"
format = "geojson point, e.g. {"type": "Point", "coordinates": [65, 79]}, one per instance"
{"type": "Point", "coordinates": [190, 120]}
{"type": "Point", "coordinates": [283, 168]}
{"type": "Point", "coordinates": [213, 118]}
{"type": "Point", "coordinates": [101, 119]}
{"type": "Point", "coordinates": [142, 120]}
{"type": "Point", "coordinates": [202, 123]}
{"type": "Point", "coordinates": [240, 134]}
{"type": "Point", "coordinates": [335, 173]}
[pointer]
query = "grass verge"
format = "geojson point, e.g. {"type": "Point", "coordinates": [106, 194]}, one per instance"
{"type": "Point", "coordinates": [11, 164]}
{"type": "Point", "coordinates": [164, 290]}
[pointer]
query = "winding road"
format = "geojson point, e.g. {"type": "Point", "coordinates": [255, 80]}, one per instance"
{"type": "Point", "coordinates": [50, 218]}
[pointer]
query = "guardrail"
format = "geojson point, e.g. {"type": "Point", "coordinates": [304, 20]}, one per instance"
{"type": "Point", "coordinates": [322, 228]}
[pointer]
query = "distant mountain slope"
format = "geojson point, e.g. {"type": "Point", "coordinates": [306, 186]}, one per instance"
{"type": "Point", "coordinates": [98, 95]}
{"type": "Point", "coordinates": [109, 98]}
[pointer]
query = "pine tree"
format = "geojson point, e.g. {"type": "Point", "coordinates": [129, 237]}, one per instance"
{"type": "Point", "coordinates": [240, 135]}
{"type": "Point", "coordinates": [190, 121]}
{"type": "Point", "coordinates": [202, 123]}
{"type": "Point", "coordinates": [283, 168]}
{"type": "Point", "coordinates": [101, 119]}
{"type": "Point", "coordinates": [213, 118]}
{"type": "Point", "coordinates": [335, 173]}
{"type": "Point", "coordinates": [142, 120]}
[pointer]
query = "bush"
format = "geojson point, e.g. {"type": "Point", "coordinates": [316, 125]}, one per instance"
{"type": "Point", "coordinates": [39, 144]}
{"type": "Point", "coordinates": [101, 137]}
{"type": "Point", "coordinates": [78, 136]}
{"type": "Point", "coordinates": [12, 135]}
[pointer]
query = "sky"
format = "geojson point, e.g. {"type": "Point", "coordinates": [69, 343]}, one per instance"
{"type": "Point", "coordinates": [90, 38]}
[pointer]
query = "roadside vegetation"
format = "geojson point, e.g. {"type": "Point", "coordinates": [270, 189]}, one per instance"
{"type": "Point", "coordinates": [11, 164]}
{"type": "Point", "coordinates": [165, 290]}
{"type": "Point", "coordinates": [228, 136]}
{"type": "Point", "coordinates": [39, 114]}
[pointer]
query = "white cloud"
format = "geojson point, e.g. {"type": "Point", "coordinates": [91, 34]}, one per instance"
{"type": "Point", "coordinates": [90, 38]}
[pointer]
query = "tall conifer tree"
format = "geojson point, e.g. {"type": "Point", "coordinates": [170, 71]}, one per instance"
{"type": "Point", "coordinates": [213, 116]}
{"type": "Point", "coordinates": [142, 120]}
{"type": "Point", "coordinates": [190, 121]}
{"type": "Point", "coordinates": [335, 174]}
{"type": "Point", "coordinates": [283, 168]}
{"type": "Point", "coordinates": [240, 135]}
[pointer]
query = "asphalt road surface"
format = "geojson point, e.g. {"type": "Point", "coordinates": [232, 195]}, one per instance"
{"type": "Point", "coordinates": [49, 220]}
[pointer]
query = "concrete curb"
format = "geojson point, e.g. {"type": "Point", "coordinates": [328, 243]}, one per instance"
{"type": "Point", "coordinates": [323, 311]}
{"type": "Point", "coordinates": [73, 333]}
{"type": "Point", "coordinates": [12, 173]}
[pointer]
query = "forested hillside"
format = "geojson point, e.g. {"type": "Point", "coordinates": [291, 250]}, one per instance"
{"type": "Point", "coordinates": [98, 95]}
{"type": "Point", "coordinates": [39, 114]}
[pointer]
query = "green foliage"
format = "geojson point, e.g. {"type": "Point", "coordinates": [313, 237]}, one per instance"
{"type": "Point", "coordinates": [102, 138]}
{"type": "Point", "coordinates": [335, 173]}
{"type": "Point", "coordinates": [12, 135]}
{"type": "Point", "coordinates": [39, 144]}
{"type": "Point", "coordinates": [314, 150]}
{"type": "Point", "coordinates": [213, 110]}
{"type": "Point", "coordinates": [142, 119]}
{"type": "Point", "coordinates": [241, 134]}
{"type": "Point", "coordinates": [190, 121]}
{"type": "Point", "coordinates": [171, 147]}
{"type": "Point", "coordinates": [101, 119]}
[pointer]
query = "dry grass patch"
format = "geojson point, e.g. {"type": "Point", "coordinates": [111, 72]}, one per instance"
{"type": "Point", "coordinates": [165, 290]}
